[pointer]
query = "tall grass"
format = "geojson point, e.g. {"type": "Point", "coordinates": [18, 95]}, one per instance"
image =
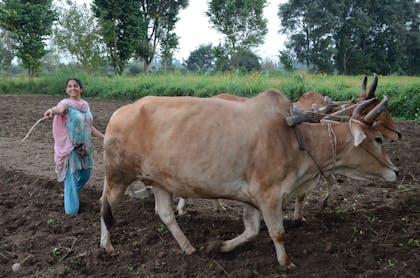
{"type": "Point", "coordinates": [403, 91]}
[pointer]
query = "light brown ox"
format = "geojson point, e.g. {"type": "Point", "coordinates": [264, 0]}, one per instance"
{"type": "Point", "coordinates": [216, 203]}
{"type": "Point", "coordinates": [244, 151]}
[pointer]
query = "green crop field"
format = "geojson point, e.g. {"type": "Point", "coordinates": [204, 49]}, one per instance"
{"type": "Point", "coordinates": [403, 91]}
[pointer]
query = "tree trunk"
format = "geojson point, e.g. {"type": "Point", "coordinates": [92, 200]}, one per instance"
{"type": "Point", "coordinates": [345, 60]}
{"type": "Point", "coordinates": [146, 67]}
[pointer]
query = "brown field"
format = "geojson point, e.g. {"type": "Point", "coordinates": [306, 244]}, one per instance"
{"type": "Point", "coordinates": [372, 229]}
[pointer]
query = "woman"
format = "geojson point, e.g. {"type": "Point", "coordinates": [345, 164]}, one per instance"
{"type": "Point", "coordinates": [73, 130]}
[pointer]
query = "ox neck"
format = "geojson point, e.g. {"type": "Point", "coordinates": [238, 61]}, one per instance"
{"type": "Point", "coordinates": [323, 143]}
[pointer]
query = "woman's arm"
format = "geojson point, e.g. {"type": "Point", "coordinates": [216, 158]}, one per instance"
{"type": "Point", "coordinates": [97, 133]}
{"type": "Point", "coordinates": [59, 109]}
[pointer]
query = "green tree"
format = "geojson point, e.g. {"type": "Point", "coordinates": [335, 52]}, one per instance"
{"type": "Point", "coordinates": [168, 45]}
{"type": "Point", "coordinates": [242, 21]}
{"type": "Point", "coordinates": [77, 34]}
{"type": "Point", "coordinates": [412, 43]}
{"type": "Point", "coordinates": [121, 24]}
{"type": "Point", "coordinates": [352, 23]}
{"type": "Point", "coordinates": [159, 18]}
{"type": "Point", "coordinates": [222, 58]}
{"type": "Point", "coordinates": [246, 60]}
{"type": "Point", "coordinates": [286, 59]}
{"type": "Point", "coordinates": [386, 43]}
{"type": "Point", "coordinates": [201, 59]}
{"type": "Point", "coordinates": [309, 25]}
{"type": "Point", "coordinates": [29, 24]}
{"type": "Point", "coordinates": [354, 36]}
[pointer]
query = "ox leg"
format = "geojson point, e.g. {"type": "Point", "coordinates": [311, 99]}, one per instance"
{"type": "Point", "coordinates": [163, 207]}
{"type": "Point", "coordinates": [326, 201]}
{"type": "Point", "coordinates": [298, 214]}
{"type": "Point", "coordinates": [181, 206]}
{"type": "Point", "coordinates": [111, 194]}
{"type": "Point", "coordinates": [251, 220]}
{"type": "Point", "coordinates": [273, 218]}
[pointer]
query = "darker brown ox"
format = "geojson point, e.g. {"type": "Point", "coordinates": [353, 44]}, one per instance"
{"type": "Point", "coordinates": [314, 100]}
{"type": "Point", "coordinates": [240, 150]}
{"type": "Point", "coordinates": [383, 121]}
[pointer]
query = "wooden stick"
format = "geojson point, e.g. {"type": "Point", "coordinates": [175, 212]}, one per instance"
{"type": "Point", "coordinates": [221, 268]}
{"type": "Point", "coordinates": [30, 130]}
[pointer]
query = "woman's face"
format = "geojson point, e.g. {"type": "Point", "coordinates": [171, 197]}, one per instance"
{"type": "Point", "coordinates": [73, 90]}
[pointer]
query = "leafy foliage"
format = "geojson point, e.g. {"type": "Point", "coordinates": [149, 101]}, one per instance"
{"type": "Point", "coordinates": [78, 35]}
{"type": "Point", "coordinates": [309, 27]}
{"type": "Point", "coordinates": [201, 59]}
{"type": "Point", "coordinates": [222, 57]}
{"type": "Point", "coordinates": [244, 25]}
{"type": "Point", "coordinates": [121, 23]}
{"type": "Point", "coordinates": [168, 45]}
{"type": "Point", "coordinates": [286, 59]}
{"type": "Point", "coordinates": [246, 60]}
{"type": "Point", "coordinates": [352, 37]}
{"type": "Point", "coordinates": [159, 19]}
{"type": "Point", "coordinates": [29, 23]}
{"type": "Point", "coordinates": [242, 22]}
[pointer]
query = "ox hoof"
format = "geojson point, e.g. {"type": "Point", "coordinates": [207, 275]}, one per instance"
{"type": "Point", "coordinates": [190, 251]}
{"type": "Point", "coordinates": [214, 247]}
{"type": "Point", "coordinates": [181, 212]}
{"type": "Point", "coordinates": [108, 247]}
{"type": "Point", "coordinates": [288, 266]}
{"type": "Point", "coordinates": [300, 219]}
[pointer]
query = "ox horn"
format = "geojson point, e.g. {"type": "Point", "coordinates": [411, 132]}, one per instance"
{"type": "Point", "coordinates": [372, 87]}
{"type": "Point", "coordinates": [340, 115]}
{"type": "Point", "coordinates": [363, 88]}
{"type": "Point", "coordinates": [374, 113]}
{"type": "Point", "coordinates": [328, 100]}
{"type": "Point", "coordinates": [357, 113]}
{"type": "Point", "coordinates": [326, 109]}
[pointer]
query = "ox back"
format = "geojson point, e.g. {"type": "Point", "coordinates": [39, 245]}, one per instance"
{"type": "Point", "coordinates": [186, 144]}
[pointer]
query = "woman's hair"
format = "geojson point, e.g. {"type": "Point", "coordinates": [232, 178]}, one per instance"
{"type": "Point", "coordinates": [75, 79]}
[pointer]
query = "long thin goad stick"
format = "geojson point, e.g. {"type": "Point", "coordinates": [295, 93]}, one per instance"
{"type": "Point", "coordinates": [30, 130]}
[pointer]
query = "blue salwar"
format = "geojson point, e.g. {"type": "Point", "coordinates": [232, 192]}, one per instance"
{"type": "Point", "coordinates": [73, 183]}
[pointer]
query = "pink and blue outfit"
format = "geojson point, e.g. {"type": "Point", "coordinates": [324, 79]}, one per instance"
{"type": "Point", "coordinates": [70, 130]}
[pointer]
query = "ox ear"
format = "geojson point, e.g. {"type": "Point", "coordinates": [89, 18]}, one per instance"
{"type": "Point", "coordinates": [358, 135]}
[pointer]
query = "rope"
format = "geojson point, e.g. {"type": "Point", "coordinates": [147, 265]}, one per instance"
{"type": "Point", "coordinates": [333, 143]}
{"type": "Point", "coordinates": [302, 148]}
{"type": "Point", "coordinates": [30, 130]}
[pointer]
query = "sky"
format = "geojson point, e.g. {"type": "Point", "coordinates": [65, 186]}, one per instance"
{"type": "Point", "coordinates": [194, 30]}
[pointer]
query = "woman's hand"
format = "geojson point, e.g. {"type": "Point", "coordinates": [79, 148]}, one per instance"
{"type": "Point", "coordinates": [49, 114]}
{"type": "Point", "coordinates": [97, 133]}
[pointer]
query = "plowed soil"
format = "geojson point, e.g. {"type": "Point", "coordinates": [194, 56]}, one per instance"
{"type": "Point", "coordinates": [371, 229]}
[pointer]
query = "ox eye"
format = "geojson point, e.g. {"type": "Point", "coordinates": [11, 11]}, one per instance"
{"type": "Point", "coordinates": [378, 140]}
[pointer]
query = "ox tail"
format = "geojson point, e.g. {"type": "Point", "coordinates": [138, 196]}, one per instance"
{"type": "Point", "coordinates": [107, 213]}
